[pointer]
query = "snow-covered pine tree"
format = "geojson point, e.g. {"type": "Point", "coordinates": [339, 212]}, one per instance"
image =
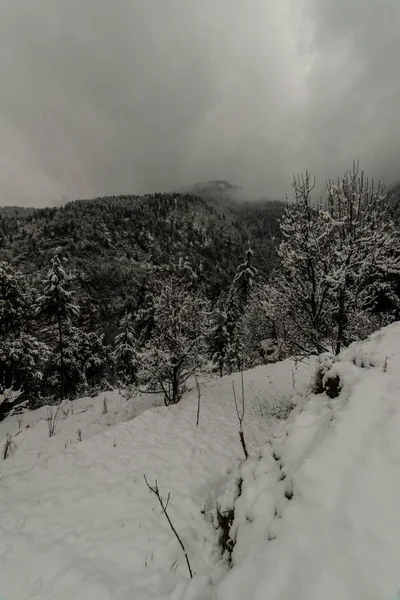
{"type": "Point", "coordinates": [218, 337]}
{"type": "Point", "coordinates": [22, 356]}
{"type": "Point", "coordinates": [177, 348]}
{"type": "Point", "coordinates": [234, 307]}
{"type": "Point", "coordinates": [245, 277]}
{"type": "Point", "coordinates": [22, 361]}
{"type": "Point", "coordinates": [125, 353]}
{"type": "Point", "coordinates": [253, 329]}
{"type": "Point", "coordinates": [365, 249]}
{"type": "Point", "coordinates": [15, 300]}
{"type": "Point", "coordinates": [233, 312]}
{"type": "Point", "coordinates": [57, 304]}
{"type": "Point", "coordinates": [85, 361]}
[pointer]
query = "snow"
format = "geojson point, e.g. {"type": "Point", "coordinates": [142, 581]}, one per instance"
{"type": "Point", "coordinates": [318, 515]}
{"type": "Point", "coordinates": [77, 520]}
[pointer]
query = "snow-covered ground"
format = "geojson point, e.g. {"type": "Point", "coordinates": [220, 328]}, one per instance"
{"type": "Point", "coordinates": [318, 516]}
{"type": "Point", "coordinates": [77, 520]}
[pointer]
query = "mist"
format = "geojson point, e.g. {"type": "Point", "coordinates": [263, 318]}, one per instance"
{"type": "Point", "coordinates": [133, 96]}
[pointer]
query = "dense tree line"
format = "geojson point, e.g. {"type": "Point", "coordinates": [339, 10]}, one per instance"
{"type": "Point", "coordinates": [110, 243]}
{"type": "Point", "coordinates": [146, 293]}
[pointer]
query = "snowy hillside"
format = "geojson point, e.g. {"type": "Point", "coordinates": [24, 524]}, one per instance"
{"type": "Point", "coordinates": [317, 518]}
{"type": "Point", "coordinates": [76, 518]}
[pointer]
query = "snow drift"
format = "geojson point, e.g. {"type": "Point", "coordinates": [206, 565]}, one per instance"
{"type": "Point", "coordinates": [319, 516]}
{"type": "Point", "coordinates": [77, 521]}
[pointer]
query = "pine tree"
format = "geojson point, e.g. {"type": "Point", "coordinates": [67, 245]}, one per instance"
{"type": "Point", "coordinates": [245, 277]}
{"type": "Point", "coordinates": [233, 311]}
{"type": "Point", "coordinates": [56, 304]}
{"type": "Point", "coordinates": [126, 352]}
{"type": "Point", "coordinates": [85, 362]}
{"type": "Point", "coordinates": [22, 362]}
{"type": "Point", "coordinates": [253, 329]}
{"type": "Point", "coordinates": [218, 337]}
{"type": "Point", "coordinates": [22, 356]}
{"type": "Point", "coordinates": [230, 352]}
{"type": "Point", "coordinates": [15, 300]}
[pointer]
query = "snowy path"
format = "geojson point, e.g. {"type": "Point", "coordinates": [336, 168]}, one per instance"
{"type": "Point", "coordinates": [82, 524]}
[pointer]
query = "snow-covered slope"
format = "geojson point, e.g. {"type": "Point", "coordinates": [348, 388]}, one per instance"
{"type": "Point", "coordinates": [76, 518]}
{"type": "Point", "coordinates": [319, 517]}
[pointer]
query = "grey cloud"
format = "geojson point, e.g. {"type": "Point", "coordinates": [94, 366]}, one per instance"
{"type": "Point", "coordinates": [354, 86]}
{"type": "Point", "coordinates": [101, 97]}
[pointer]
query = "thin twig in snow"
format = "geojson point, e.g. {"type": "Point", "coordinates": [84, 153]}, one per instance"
{"type": "Point", "coordinates": [52, 416]}
{"type": "Point", "coordinates": [198, 401]}
{"type": "Point", "coordinates": [156, 492]}
{"type": "Point", "coordinates": [240, 416]}
{"type": "Point", "coordinates": [9, 447]}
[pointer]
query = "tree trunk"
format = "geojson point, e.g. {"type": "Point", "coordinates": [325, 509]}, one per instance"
{"type": "Point", "coordinates": [340, 324]}
{"type": "Point", "coordinates": [61, 358]}
{"type": "Point", "coordinates": [175, 385]}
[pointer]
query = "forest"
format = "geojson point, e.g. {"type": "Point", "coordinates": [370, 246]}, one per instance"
{"type": "Point", "coordinates": [147, 292]}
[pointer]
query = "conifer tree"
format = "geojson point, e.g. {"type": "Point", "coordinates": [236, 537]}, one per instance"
{"type": "Point", "coordinates": [15, 300]}
{"type": "Point", "coordinates": [245, 277]}
{"type": "Point", "coordinates": [56, 303]}
{"type": "Point", "coordinates": [126, 352]}
{"type": "Point", "coordinates": [219, 338]}
{"type": "Point", "coordinates": [233, 312]}
{"type": "Point", "coordinates": [235, 305]}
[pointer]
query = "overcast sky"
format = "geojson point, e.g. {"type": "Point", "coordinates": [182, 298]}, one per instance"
{"type": "Point", "coordinates": [103, 97]}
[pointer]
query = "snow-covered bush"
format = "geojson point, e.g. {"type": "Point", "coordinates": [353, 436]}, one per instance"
{"type": "Point", "coordinates": [325, 361]}
{"type": "Point", "coordinates": [177, 348]}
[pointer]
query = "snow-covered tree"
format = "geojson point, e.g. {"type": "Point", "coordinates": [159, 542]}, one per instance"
{"type": "Point", "coordinates": [233, 312]}
{"type": "Point", "coordinates": [245, 276]}
{"type": "Point", "coordinates": [334, 264]}
{"type": "Point", "coordinates": [253, 330]}
{"type": "Point", "coordinates": [300, 296]}
{"type": "Point", "coordinates": [57, 304]}
{"type": "Point", "coordinates": [365, 248]}
{"type": "Point", "coordinates": [85, 362]}
{"type": "Point", "coordinates": [226, 343]}
{"type": "Point", "coordinates": [15, 300]}
{"type": "Point", "coordinates": [22, 361]}
{"type": "Point", "coordinates": [126, 351]}
{"type": "Point", "coordinates": [219, 337]}
{"type": "Point", "coordinates": [177, 346]}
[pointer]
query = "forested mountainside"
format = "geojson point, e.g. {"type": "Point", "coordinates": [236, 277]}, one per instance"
{"type": "Point", "coordinates": [113, 244]}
